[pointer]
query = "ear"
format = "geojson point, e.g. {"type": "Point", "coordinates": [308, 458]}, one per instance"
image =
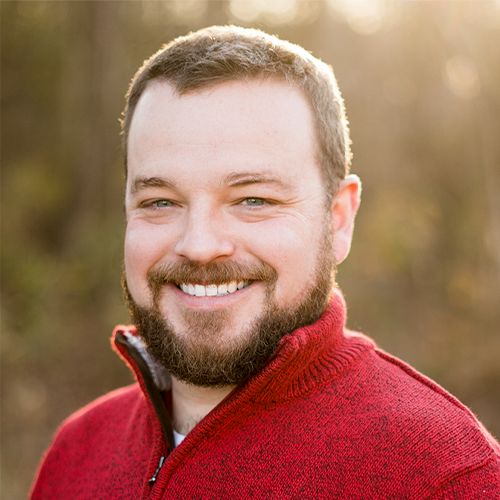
{"type": "Point", "coordinates": [344, 208]}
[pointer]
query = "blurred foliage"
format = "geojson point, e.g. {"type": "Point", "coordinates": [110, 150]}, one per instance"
{"type": "Point", "coordinates": [421, 82]}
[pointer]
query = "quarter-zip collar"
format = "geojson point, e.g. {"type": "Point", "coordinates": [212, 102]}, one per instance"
{"type": "Point", "coordinates": [306, 359]}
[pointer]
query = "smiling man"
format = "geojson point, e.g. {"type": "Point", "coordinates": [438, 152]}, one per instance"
{"type": "Point", "coordinates": [238, 208]}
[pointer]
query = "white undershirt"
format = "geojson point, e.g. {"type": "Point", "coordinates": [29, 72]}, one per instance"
{"type": "Point", "coordinates": [178, 438]}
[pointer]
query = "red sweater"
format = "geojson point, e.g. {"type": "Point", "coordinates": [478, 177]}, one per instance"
{"type": "Point", "coordinates": [329, 416]}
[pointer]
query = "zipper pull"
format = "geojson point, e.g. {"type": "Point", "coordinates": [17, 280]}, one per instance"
{"type": "Point", "coordinates": [157, 471]}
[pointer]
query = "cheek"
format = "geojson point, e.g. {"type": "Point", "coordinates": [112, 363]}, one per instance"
{"type": "Point", "coordinates": [144, 247]}
{"type": "Point", "coordinates": [291, 248]}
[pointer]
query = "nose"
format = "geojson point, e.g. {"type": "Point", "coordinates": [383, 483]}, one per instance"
{"type": "Point", "coordinates": [204, 237]}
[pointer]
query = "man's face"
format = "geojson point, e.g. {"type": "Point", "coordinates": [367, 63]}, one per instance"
{"type": "Point", "coordinates": [226, 220]}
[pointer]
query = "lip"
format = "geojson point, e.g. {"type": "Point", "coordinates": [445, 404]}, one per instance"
{"type": "Point", "coordinates": [209, 302]}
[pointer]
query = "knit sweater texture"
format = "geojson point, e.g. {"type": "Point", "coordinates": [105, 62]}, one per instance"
{"type": "Point", "coordinates": [329, 416]}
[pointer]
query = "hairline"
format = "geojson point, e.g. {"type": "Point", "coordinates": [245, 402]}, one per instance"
{"type": "Point", "coordinates": [218, 54]}
{"type": "Point", "coordinates": [200, 87]}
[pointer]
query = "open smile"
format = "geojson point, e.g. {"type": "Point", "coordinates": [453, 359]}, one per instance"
{"type": "Point", "coordinates": [213, 290]}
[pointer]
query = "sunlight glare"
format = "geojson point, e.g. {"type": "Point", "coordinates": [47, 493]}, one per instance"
{"type": "Point", "coordinates": [280, 11]}
{"type": "Point", "coordinates": [247, 10]}
{"type": "Point", "coordinates": [363, 16]}
{"type": "Point", "coordinates": [188, 10]}
{"type": "Point", "coordinates": [461, 75]}
{"type": "Point", "coordinates": [276, 13]}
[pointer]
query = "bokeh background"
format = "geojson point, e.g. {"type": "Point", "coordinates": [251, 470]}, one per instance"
{"type": "Point", "coordinates": [421, 81]}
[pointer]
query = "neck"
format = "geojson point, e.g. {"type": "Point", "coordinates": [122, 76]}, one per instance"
{"type": "Point", "coordinates": [190, 403]}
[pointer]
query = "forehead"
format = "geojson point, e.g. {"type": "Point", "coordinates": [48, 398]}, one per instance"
{"type": "Point", "coordinates": [233, 126]}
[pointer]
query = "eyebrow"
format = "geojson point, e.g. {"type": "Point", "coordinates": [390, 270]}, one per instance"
{"type": "Point", "coordinates": [248, 178]}
{"type": "Point", "coordinates": [232, 180]}
{"type": "Point", "coordinates": [148, 182]}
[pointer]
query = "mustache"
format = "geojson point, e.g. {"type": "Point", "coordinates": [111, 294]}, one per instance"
{"type": "Point", "coordinates": [216, 273]}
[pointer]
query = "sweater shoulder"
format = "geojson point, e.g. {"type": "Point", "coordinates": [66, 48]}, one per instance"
{"type": "Point", "coordinates": [402, 403]}
{"type": "Point", "coordinates": [418, 406]}
{"type": "Point", "coordinates": [104, 421]}
{"type": "Point", "coordinates": [419, 379]}
{"type": "Point", "coordinates": [93, 421]}
{"type": "Point", "coordinates": [95, 445]}
{"type": "Point", "coordinates": [105, 406]}
{"type": "Point", "coordinates": [408, 425]}
{"type": "Point", "coordinates": [423, 391]}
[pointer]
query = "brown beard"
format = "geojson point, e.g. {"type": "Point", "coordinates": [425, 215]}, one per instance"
{"type": "Point", "coordinates": [202, 356]}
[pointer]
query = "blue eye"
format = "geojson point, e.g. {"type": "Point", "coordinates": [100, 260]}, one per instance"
{"type": "Point", "coordinates": [254, 202]}
{"type": "Point", "coordinates": [162, 203]}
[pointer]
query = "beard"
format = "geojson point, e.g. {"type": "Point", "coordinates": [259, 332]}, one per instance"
{"type": "Point", "coordinates": [202, 355]}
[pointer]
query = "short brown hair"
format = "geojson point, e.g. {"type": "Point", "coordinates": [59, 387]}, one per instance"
{"type": "Point", "coordinates": [226, 53]}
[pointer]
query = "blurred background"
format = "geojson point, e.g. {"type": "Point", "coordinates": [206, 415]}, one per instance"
{"type": "Point", "coordinates": [421, 81]}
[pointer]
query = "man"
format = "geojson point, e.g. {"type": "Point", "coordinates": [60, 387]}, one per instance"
{"type": "Point", "coordinates": [239, 207]}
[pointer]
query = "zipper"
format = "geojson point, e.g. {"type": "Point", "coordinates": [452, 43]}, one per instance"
{"type": "Point", "coordinates": [155, 397]}
{"type": "Point", "coordinates": [153, 479]}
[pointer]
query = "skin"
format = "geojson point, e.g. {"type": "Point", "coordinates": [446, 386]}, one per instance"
{"type": "Point", "coordinates": [227, 173]}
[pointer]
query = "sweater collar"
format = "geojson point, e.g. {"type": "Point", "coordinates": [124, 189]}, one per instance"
{"type": "Point", "coordinates": [305, 358]}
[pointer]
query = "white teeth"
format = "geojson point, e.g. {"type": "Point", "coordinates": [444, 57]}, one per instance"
{"type": "Point", "coordinates": [213, 290]}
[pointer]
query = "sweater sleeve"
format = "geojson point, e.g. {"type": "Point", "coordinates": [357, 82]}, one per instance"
{"type": "Point", "coordinates": [480, 483]}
